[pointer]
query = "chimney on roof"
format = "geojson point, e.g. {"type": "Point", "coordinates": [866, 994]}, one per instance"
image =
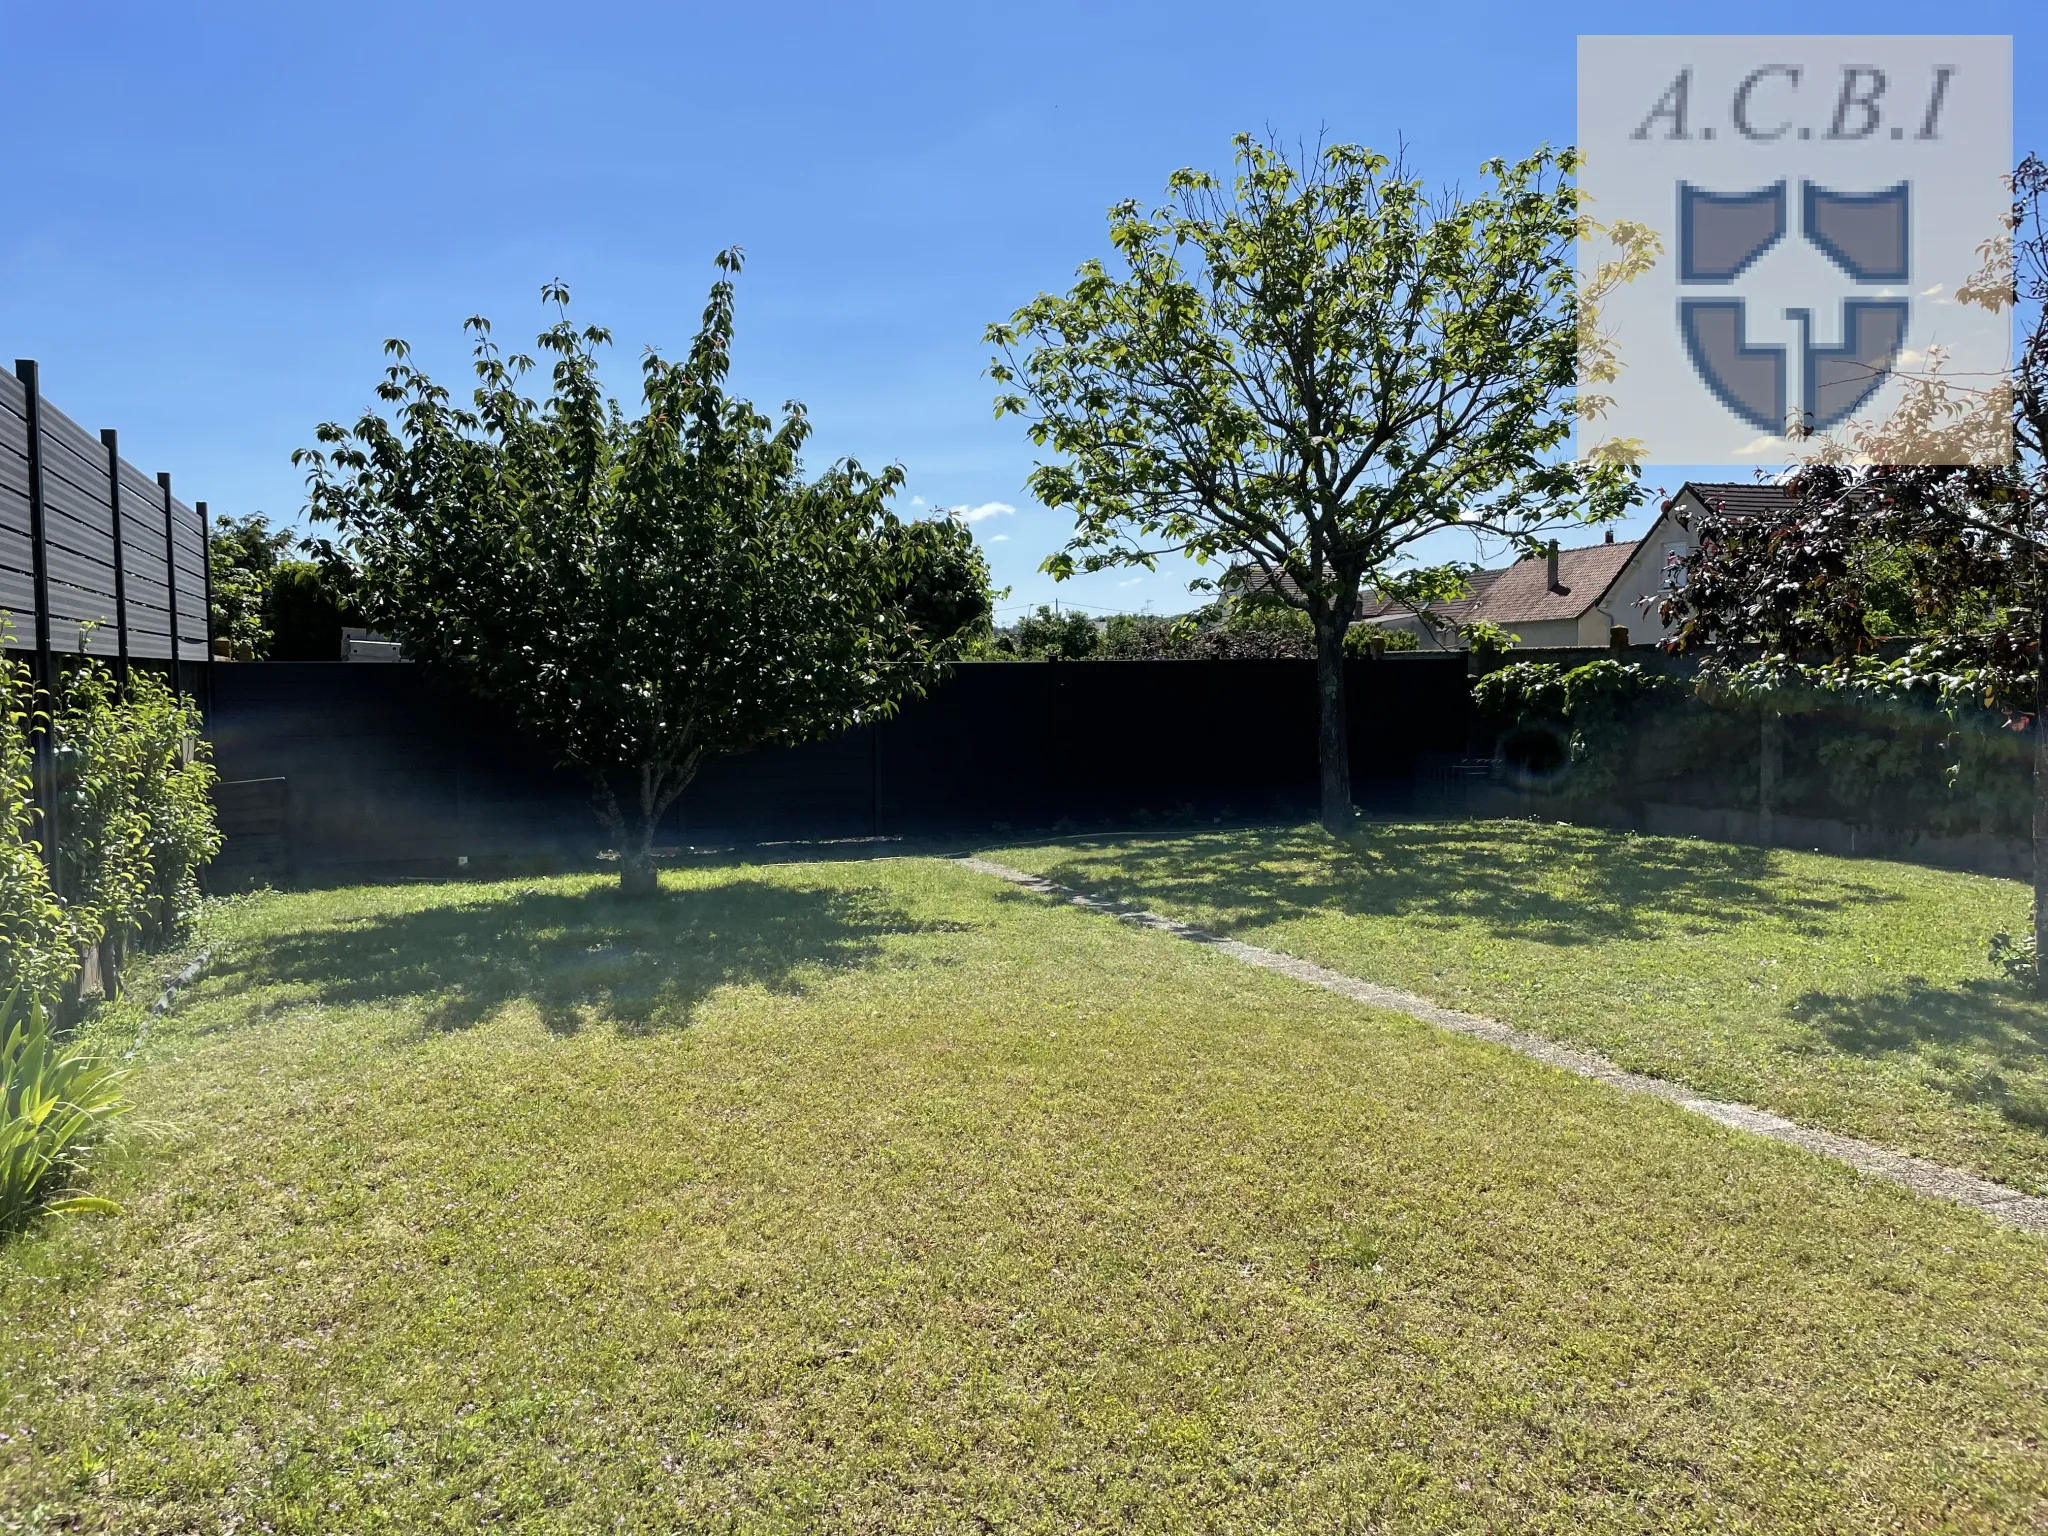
{"type": "Point", "coordinates": [1610, 535]}
{"type": "Point", "coordinates": [1552, 555]}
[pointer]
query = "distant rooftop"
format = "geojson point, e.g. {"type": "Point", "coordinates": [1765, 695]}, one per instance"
{"type": "Point", "coordinates": [1740, 498]}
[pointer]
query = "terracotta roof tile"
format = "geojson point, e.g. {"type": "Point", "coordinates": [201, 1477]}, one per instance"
{"type": "Point", "coordinates": [1522, 594]}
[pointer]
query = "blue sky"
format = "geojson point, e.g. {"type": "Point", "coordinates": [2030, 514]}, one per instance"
{"type": "Point", "coordinates": [216, 214]}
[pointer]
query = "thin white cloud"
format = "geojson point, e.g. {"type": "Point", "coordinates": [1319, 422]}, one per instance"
{"type": "Point", "coordinates": [984, 512]}
{"type": "Point", "coordinates": [1759, 445]}
{"type": "Point", "coordinates": [996, 538]}
{"type": "Point", "coordinates": [917, 501]}
{"type": "Point", "coordinates": [1132, 582]}
{"type": "Point", "coordinates": [1928, 293]}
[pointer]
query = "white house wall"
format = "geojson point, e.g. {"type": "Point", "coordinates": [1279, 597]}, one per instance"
{"type": "Point", "coordinates": [1544, 633]}
{"type": "Point", "coordinates": [1642, 578]}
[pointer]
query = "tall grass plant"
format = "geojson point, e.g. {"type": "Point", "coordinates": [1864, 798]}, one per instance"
{"type": "Point", "coordinates": [61, 1099]}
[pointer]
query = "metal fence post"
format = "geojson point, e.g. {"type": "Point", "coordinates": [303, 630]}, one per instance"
{"type": "Point", "coordinates": [171, 580]}
{"type": "Point", "coordinates": [46, 667]}
{"type": "Point", "coordinates": [113, 441]}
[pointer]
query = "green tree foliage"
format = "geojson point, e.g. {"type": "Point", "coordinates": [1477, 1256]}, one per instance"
{"type": "Point", "coordinates": [271, 607]}
{"type": "Point", "coordinates": [243, 553]}
{"type": "Point", "coordinates": [309, 604]}
{"type": "Point", "coordinates": [643, 592]}
{"type": "Point", "coordinates": [1309, 371]}
{"type": "Point", "coordinates": [1228, 629]}
{"type": "Point", "coordinates": [1359, 642]}
{"type": "Point", "coordinates": [1047, 634]}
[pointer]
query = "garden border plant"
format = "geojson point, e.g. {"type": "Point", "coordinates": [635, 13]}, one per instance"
{"type": "Point", "coordinates": [132, 784]}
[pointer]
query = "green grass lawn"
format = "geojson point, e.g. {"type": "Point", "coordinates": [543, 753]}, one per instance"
{"type": "Point", "coordinates": [1845, 993]}
{"type": "Point", "coordinates": [881, 1197]}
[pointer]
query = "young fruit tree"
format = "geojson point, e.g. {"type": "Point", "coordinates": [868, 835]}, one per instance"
{"type": "Point", "coordinates": [643, 592]}
{"type": "Point", "coordinates": [1309, 372]}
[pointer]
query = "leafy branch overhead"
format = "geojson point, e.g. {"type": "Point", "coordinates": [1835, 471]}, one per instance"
{"type": "Point", "coordinates": [644, 592]}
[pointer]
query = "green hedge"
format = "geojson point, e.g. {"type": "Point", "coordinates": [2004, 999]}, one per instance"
{"type": "Point", "coordinates": [1904, 745]}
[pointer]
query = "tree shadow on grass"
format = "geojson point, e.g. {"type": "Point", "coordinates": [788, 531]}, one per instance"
{"type": "Point", "coordinates": [644, 964]}
{"type": "Point", "coordinates": [1551, 884]}
{"type": "Point", "coordinates": [1980, 1041]}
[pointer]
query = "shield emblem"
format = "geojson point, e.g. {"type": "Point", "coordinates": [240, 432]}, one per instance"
{"type": "Point", "coordinates": [1721, 234]}
{"type": "Point", "coordinates": [1838, 379]}
{"type": "Point", "coordinates": [1863, 233]}
{"type": "Point", "coordinates": [1749, 380]}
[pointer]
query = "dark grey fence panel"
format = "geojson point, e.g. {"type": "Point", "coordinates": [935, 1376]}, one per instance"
{"type": "Point", "coordinates": [13, 417]}
{"type": "Point", "coordinates": [161, 551]}
{"type": "Point", "coordinates": [17, 556]}
{"type": "Point", "coordinates": [78, 525]}
{"type": "Point", "coordinates": [17, 605]}
{"type": "Point", "coordinates": [142, 545]}
{"type": "Point", "coordinates": [189, 546]}
{"type": "Point", "coordinates": [14, 473]}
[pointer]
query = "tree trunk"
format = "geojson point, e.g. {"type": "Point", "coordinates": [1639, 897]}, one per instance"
{"type": "Point", "coordinates": [638, 876]}
{"type": "Point", "coordinates": [1333, 752]}
{"type": "Point", "coordinates": [653, 790]}
{"type": "Point", "coordinates": [2041, 802]}
{"type": "Point", "coordinates": [113, 957]}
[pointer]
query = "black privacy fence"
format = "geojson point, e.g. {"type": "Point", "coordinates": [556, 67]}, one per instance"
{"type": "Point", "coordinates": [333, 771]}
{"type": "Point", "coordinates": [95, 555]}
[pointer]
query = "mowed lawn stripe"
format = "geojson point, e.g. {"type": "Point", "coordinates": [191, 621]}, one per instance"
{"type": "Point", "coordinates": [866, 1197]}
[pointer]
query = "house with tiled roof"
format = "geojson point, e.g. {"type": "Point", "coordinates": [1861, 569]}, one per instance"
{"type": "Point", "coordinates": [1568, 597]}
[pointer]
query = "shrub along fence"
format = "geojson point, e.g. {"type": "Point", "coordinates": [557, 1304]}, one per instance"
{"type": "Point", "coordinates": [105, 813]}
{"type": "Point", "coordinates": [133, 786]}
{"type": "Point", "coordinates": [1882, 759]}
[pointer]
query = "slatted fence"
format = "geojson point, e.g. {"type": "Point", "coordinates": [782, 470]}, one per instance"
{"type": "Point", "coordinates": [95, 556]}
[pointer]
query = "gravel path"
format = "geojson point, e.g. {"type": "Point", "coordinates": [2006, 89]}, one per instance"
{"type": "Point", "coordinates": [2029, 1212]}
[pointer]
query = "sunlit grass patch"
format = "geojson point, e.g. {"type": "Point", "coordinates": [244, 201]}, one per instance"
{"type": "Point", "coordinates": [1849, 994]}
{"type": "Point", "coordinates": [889, 1198]}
